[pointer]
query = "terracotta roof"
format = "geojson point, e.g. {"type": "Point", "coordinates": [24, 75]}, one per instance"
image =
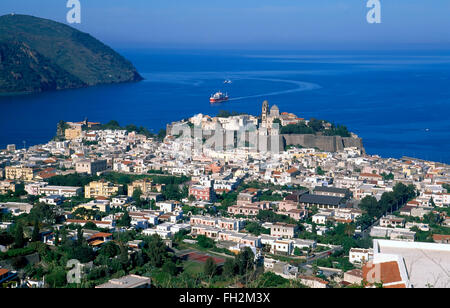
{"type": "Point", "coordinates": [96, 243]}
{"type": "Point", "coordinates": [413, 202]}
{"type": "Point", "coordinates": [100, 234]}
{"type": "Point", "coordinates": [343, 220]}
{"type": "Point", "coordinates": [441, 237]}
{"type": "Point", "coordinates": [45, 175]}
{"type": "Point", "coordinates": [355, 272]}
{"type": "Point", "coordinates": [389, 272]}
{"type": "Point", "coordinates": [395, 286]}
{"type": "Point", "coordinates": [407, 208]}
{"type": "Point", "coordinates": [97, 222]}
{"type": "Point", "coordinates": [101, 198]}
{"type": "Point", "coordinates": [3, 271]}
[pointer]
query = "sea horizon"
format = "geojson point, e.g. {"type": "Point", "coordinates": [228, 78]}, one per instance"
{"type": "Point", "coordinates": [394, 100]}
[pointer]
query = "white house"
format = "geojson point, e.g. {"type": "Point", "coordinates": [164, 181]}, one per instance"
{"type": "Point", "coordinates": [166, 206]}
{"type": "Point", "coordinates": [164, 234]}
{"type": "Point", "coordinates": [284, 247]}
{"type": "Point", "coordinates": [52, 200]}
{"type": "Point", "coordinates": [359, 255]}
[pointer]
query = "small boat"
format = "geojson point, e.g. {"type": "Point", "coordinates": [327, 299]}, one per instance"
{"type": "Point", "coordinates": [218, 97]}
{"type": "Point", "coordinates": [227, 81]}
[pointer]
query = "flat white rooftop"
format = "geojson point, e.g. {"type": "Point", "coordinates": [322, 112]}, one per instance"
{"type": "Point", "coordinates": [126, 282]}
{"type": "Point", "coordinates": [427, 264]}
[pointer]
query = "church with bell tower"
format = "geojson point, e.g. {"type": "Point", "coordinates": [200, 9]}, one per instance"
{"type": "Point", "coordinates": [267, 117]}
{"type": "Point", "coordinates": [265, 113]}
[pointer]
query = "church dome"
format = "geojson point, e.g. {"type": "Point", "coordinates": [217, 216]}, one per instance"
{"type": "Point", "coordinates": [274, 111]}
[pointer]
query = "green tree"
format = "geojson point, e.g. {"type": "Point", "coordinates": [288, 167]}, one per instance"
{"type": "Point", "coordinates": [277, 121]}
{"type": "Point", "coordinates": [19, 239]}
{"type": "Point", "coordinates": [19, 262]}
{"type": "Point", "coordinates": [255, 228]}
{"type": "Point", "coordinates": [80, 238]}
{"type": "Point", "coordinates": [447, 187]}
{"type": "Point", "coordinates": [43, 213]}
{"type": "Point", "coordinates": [90, 226]}
{"type": "Point", "coordinates": [161, 134]}
{"type": "Point", "coordinates": [170, 267]}
{"type": "Point", "coordinates": [210, 267]}
{"type": "Point", "coordinates": [270, 216]}
{"type": "Point", "coordinates": [432, 202]}
{"type": "Point", "coordinates": [180, 236]}
{"type": "Point", "coordinates": [123, 256]}
{"type": "Point", "coordinates": [271, 280]}
{"type": "Point", "coordinates": [299, 128]}
{"type": "Point", "coordinates": [339, 130]}
{"type": "Point", "coordinates": [227, 199]}
{"type": "Point", "coordinates": [57, 238]}
{"type": "Point", "coordinates": [205, 242]}
{"type": "Point", "coordinates": [125, 220]}
{"type": "Point", "coordinates": [315, 124]}
{"type": "Point", "coordinates": [319, 171]}
{"type": "Point", "coordinates": [131, 128]}
{"type": "Point", "coordinates": [64, 233]}
{"type": "Point", "coordinates": [56, 278]}
{"type": "Point", "coordinates": [229, 268]}
{"type": "Point", "coordinates": [364, 221]}
{"type": "Point", "coordinates": [83, 252]}
{"type": "Point", "coordinates": [36, 236]}
{"type": "Point", "coordinates": [156, 250]}
{"type": "Point", "coordinates": [245, 261]}
{"type": "Point", "coordinates": [297, 251]}
{"type": "Point", "coordinates": [370, 205]}
{"type": "Point", "coordinates": [113, 124]}
{"type": "Point", "coordinates": [60, 131]}
{"type": "Point", "coordinates": [137, 193]}
{"type": "Point", "coordinates": [139, 259]}
{"type": "Point", "coordinates": [109, 249]}
{"type": "Point", "coordinates": [387, 177]}
{"type": "Point", "coordinates": [349, 230]}
{"type": "Point", "coordinates": [20, 190]}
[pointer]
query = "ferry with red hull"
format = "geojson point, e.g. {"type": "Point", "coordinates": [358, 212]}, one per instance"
{"type": "Point", "coordinates": [218, 97]}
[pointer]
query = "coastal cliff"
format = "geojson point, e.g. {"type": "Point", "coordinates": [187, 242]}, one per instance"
{"type": "Point", "coordinates": [38, 55]}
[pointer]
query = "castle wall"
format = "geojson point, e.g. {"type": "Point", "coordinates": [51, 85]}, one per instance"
{"type": "Point", "coordinates": [324, 143]}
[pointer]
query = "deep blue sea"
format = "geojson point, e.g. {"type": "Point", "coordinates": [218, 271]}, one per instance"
{"type": "Point", "coordinates": [398, 102]}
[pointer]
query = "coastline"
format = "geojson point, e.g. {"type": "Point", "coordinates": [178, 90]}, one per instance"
{"type": "Point", "coordinates": [174, 90]}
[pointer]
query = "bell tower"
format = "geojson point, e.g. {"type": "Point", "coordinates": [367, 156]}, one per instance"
{"type": "Point", "coordinates": [265, 112]}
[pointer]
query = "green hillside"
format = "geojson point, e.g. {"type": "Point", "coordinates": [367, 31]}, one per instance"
{"type": "Point", "coordinates": [38, 55]}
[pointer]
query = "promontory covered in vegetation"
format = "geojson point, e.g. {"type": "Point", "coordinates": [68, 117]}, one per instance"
{"type": "Point", "coordinates": [38, 55]}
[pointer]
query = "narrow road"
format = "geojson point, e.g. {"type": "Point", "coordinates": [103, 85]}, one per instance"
{"type": "Point", "coordinates": [322, 255]}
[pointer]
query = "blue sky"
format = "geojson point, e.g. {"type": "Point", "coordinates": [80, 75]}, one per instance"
{"type": "Point", "coordinates": [254, 24]}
